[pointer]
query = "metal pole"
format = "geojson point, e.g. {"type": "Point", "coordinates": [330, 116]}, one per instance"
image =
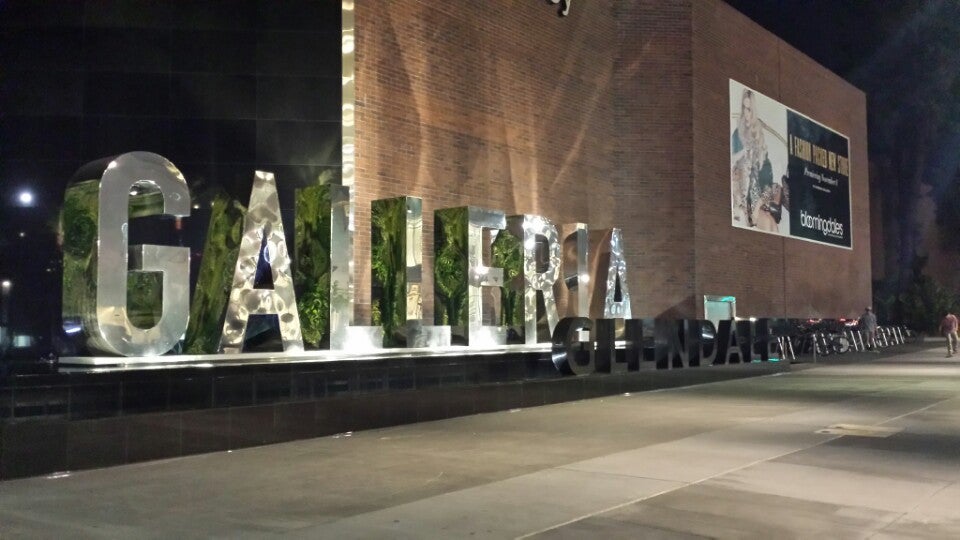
{"type": "Point", "coordinates": [5, 336]}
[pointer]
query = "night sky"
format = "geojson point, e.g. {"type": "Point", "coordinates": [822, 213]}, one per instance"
{"type": "Point", "coordinates": [840, 34]}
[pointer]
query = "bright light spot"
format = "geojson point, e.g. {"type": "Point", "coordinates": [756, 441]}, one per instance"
{"type": "Point", "coordinates": [25, 197]}
{"type": "Point", "coordinates": [196, 207]}
{"type": "Point", "coordinates": [6, 284]}
{"type": "Point", "coordinates": [23, 234]}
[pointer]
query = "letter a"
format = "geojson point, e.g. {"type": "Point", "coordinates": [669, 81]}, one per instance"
{"type": "Point", "coordinates": [262, 227]}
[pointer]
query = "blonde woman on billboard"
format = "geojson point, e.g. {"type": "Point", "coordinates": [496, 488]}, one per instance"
{"type": "Point", "coordinates": [759, 201]}
{"type": "Point", "coordinates": [752, 173]}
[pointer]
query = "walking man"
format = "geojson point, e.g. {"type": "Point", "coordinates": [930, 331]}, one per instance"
{"type": "Point", "coordinates": [949, 328]}
{"type": "Point", "coordinates": [868, 324]}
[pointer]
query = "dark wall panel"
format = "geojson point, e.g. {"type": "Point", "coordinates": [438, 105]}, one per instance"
{"type": "Point", "coordinates": [221, 88]}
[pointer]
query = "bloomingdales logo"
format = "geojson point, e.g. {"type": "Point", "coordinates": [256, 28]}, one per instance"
{"type": "Point", "coordinates": [827, 227]}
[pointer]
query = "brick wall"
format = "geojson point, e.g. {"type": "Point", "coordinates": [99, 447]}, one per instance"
{"type": "Point", "coordinates": [615, 116]}
{"type": "Point", "coordinates": [462, 103]}
{"type": "Point", "coordinates": [654, 155]}
{"type": "Point", "coordinates": [771, 275]}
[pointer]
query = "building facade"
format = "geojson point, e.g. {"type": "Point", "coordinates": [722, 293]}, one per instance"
{"type": "Point", "coordinates": [680, 129]}
{"type": "Point", "coordinates": [617, 114]}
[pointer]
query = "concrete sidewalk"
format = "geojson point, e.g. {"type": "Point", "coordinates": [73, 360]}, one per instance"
{"type": "Point", "coordinates": [857, 447]}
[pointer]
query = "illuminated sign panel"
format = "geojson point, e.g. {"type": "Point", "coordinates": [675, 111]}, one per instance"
{"type": "Point", "coordinates": [789, 175]}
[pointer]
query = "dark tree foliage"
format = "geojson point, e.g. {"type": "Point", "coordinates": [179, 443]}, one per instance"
{"type": "Point", "coordinates": [914, 119]}
{"type": "Point", "coordinates": [913, 87]}
{"type": "Point", "coordinates": [948, 212]}
{"type": "Point", "coordinates": [388, 265]}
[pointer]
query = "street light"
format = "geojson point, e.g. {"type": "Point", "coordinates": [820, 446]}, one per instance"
{"type": "Point", "coordinates": [5, 287]}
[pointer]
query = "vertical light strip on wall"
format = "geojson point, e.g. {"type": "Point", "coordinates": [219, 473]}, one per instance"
{"type": "Point", "coordinates": [348, 95]}
{"type": "Point", "coordinates": [342, 220]}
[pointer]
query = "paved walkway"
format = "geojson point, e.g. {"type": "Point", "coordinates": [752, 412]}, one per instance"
{"type": "Point", "coordinates": [867, 449]}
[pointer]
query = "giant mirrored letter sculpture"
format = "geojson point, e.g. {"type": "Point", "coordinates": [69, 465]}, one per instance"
{"type": "Point", "coordinates": [540, 273]}
{"type": "Point", "coordinates": [460, 273]}
{"type": "Point", "coordinates": [342, 200]}
{"type": "Point", "coordinates": [212, 290]}
{"type": "Point", "coordinates": [343, 334]}
{"type": "Point", "coordinates": [94, 225]}
{"type": "Point", "coordinates": [311, 262]}
{"type": "Point", "coordinates": [397, 264]}
{"type": "Point", "coordinates": [506, 253]}
{"type": "Point", "coordinates": [570, 353]}
{"type": "Point", "coordinates": [574, 293]}
{"type": "Point", "coordinates": [262, 235]}
{"type": "Point", "coordinates": [611, 295]}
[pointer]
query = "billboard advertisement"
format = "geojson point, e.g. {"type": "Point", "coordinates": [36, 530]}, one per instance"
{"type": "Point", "coordinates": [789, 174]}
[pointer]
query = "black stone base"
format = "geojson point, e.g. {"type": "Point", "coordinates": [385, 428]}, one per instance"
{"type": "Point", "coordinates": [80, 420]}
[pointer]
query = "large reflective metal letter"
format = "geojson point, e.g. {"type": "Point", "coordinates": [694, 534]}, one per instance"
{"type": "Point", "coordinates": [529, 228]}
{"type": "Point", "coordinates": [212, 289]}
{"type": "Point", "coordinates": [262, 233]}
{"type": "Point", "coordinates": [342, 211]}
{"type": "Point", "coordinates": [574, 293]}
{"type": "Point", "coordinates": [570, 354]}
{"type": "Point", "coordinates": [397, 264]}
{"type": "Point", "coordinates": [609, 358]}
{"type": "Point", "coordinates": [343, 334]}
{"type": "Point", "coordinates": [613, 300]}
{"type": "Point", "coordinates": [459, 272]}
{"type": "Point", "coordinates": [109, 327]}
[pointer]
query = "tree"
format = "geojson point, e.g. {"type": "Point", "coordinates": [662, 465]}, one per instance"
{"type": "Point", "coordinates": [913, 88]}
